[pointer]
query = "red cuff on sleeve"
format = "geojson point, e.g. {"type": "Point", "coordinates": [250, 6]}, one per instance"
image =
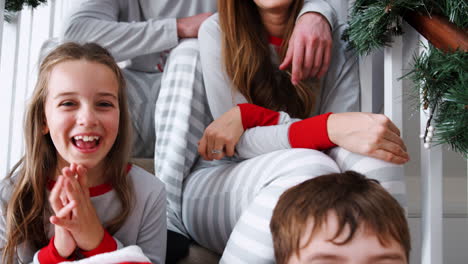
{"type": "Point", "coordinates": [254, 116]}
{"type": "Point", "coordinates": [108, 244]}
{"type": "Point", "coordinates": [311, 133]}
{"type": "Point", "coordinates": [50, 255]}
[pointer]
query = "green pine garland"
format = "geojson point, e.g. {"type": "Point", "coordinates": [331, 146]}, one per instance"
{"type": "Point", "coordinates": [12, 7]}
{"type": "Point", "coordinates": [455, 11]}
{"type": "Point", "coordinates": [452, 119]}
{"type": "Point", "coordinates": [17, 5]}
{"type": "Point", "coordinates": [373, 23]}
{"type": "Point", "coordinates": [441, 78]}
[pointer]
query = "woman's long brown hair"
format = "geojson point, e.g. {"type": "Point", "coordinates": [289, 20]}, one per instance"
{"type": "Point", "coordinates": [247, 59]}
{"type": "Point", "coordinates": [28, 206]}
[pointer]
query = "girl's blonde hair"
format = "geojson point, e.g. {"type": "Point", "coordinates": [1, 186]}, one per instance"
{"type": "Point", "coordinates": [27, 208]}
{"type": "Point", "coordinates": [247, 59]}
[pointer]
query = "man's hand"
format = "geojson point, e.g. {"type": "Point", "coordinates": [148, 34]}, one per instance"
{"type": "Point", "coordinates": [187, 27]}
{"type": "Point", "coordinates": [309, 49]}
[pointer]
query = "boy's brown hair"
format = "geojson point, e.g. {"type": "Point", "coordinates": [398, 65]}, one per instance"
{"type": "Point", "coordinates": [357, 201]}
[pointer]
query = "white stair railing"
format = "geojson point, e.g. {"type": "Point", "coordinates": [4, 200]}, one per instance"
{"type": "Point", "coordinates": [431, 160]}
{"type": "Point", "coordinates": [19, 52]}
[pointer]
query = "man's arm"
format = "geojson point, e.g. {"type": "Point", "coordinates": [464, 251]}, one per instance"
{"type": "Point", "coordinates": [110, 23]}
{"type": "Point", "coordinates": [321, 7]}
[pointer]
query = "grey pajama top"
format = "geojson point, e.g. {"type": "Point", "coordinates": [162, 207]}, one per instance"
{"type": "Point", "coordinates": [340, 89]}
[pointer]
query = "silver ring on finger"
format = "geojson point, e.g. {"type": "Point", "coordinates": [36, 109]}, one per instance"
{"type": "Point", "coordinates": [216, 151]}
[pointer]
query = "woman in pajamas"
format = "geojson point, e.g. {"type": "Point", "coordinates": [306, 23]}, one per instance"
{"type": "Point", "coordinates": [268, 133]}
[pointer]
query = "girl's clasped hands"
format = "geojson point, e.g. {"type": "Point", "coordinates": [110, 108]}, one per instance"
{"type": "Point", "coordinates": [76, 222]}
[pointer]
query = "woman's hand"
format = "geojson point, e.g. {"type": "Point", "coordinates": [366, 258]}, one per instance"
{"type": "Point", "coordinates": [221, 136]}
{"type": "Point", "coordinates": [63, 241]}
{"type": "Point", "coordinates": [84, 224]}
{"type": "Point", "coordinates": [369, 134]}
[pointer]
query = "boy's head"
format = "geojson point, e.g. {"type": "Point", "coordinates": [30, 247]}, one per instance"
{"type": "Point", "coordinates": [339, 218]}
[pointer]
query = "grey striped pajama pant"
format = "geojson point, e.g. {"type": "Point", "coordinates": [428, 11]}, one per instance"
{"type": "Point", "coordinates": [226, 205]}
{"type": "Point", "coordinates": [170, 112]}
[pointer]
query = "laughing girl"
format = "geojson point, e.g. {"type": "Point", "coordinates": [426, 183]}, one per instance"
{"type": "Point", "coordinates": [74, 195]}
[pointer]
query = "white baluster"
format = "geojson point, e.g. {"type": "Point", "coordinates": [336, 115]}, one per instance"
{"type": "Point", "coordinates": [2, 20]}
{"type": "Point", "coordinates": [39, 34]}
{"type": "Point", "coordinates": [393, 64]}
{"type": "Point", "coordinates": [366, 77]}
{"type": "Point", "coordinates": [52, 5]}
{"type": "Point", "coordinates": [13, 94]}
{"type": "Point", "coordinates": [432, 199]}
{"type": "Point", "coordinates": [24, 72]}
{"type": "Point", "coordinates": [8, 74]}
